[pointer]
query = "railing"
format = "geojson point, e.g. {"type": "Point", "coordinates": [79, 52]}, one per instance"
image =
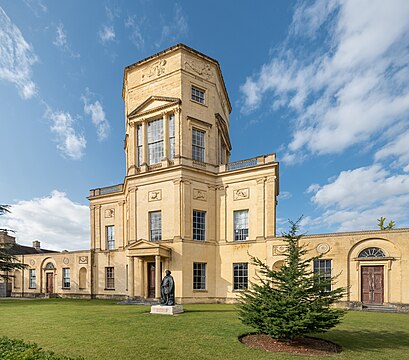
{"type": "Point", "coordinates": [241, 164]}
{"type": "Point", "coordinates": [106, 190]}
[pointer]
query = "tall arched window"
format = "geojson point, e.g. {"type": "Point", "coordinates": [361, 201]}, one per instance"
{"type": "Point", "coordinates": [372, 252]}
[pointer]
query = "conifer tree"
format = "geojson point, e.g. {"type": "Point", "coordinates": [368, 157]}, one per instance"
{"type": "Point", "coordinates": [292, 301]}
{"type": "Point", "coordinates": [8, 262]}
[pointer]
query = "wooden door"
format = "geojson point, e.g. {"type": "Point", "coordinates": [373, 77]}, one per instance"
{"type": "Point", "coordinates": [50, 283]}
{"type": "Point", "coordinates": [151, 280]}
{"type": "Point", "coordinates": [372, 284]}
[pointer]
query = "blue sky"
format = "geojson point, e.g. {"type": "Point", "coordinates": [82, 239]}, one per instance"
{"type": "Point", "coordinates": [324, 84]}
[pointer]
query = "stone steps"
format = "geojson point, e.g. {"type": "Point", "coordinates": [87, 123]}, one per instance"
{"type": "Point", "coordinates": [379, 308]}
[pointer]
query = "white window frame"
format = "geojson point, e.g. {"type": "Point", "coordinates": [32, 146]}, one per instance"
{"type": "Point", "coordinates": [241, 228]}
{"type": "Point", "coordinates": [155, 233]}
{"type": "Point", "coordinates": [109, 278]}
{"type": "Point", "coordinates": [155, 141]}
{"type": "Point", "coordinates": [66, 280]}
{"type": "Point", "coordinates": [199, 276]}
{"type": "Point", "coordinates": [241, 276]}
{"type": "Point", "coordinates": [32, 279]}
{"type": "Point", "coordinates": [110, 237]}
{"type": "Point", "coordinates": [198, 227]}
{"type": "Point", "coordinates": [198, 95]}
{"type": "Point", "coordinates": [198, 149]}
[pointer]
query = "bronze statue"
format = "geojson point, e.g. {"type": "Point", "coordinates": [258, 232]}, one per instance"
{"type": "Point", "coordinates": [167, 290]}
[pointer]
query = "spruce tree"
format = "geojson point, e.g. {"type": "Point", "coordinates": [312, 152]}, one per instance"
{"type": "Point", "coordinates": [292, 301]}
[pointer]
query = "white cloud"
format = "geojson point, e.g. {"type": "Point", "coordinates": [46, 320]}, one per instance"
{"type": "Point", "coordinates": [62, 43]}
{"type": "Point", "coordinates": [107, 34]}
{"type": "Point", "coordinates": [36, 5]}
{"type": "Point", "coordinates": [56, 221]}
{"type": "Point", "coordinates": [356, 198]}
{"type": "Point", "coordinates": [71, 144]}
{"type": "Point", "coordinates": [136, 32]}
{"type": "Point", "coordinates": [350, 88]}
{"type": "Point", "coordinates": [399, 147]}
{"type": "Point", "coordinates": [97, 116]}
{"type": "Point", "coordinates": [285, 195]}
{"type": "Point", "coordinates": [16, 57]}
{"type": "Point", "coordinates": [174, 28]}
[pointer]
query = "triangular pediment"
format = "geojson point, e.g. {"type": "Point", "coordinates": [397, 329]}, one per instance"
{"type": "Point", "coordinates": [154, 103]}
{"type": "Point", "coordinates": [143, 248]}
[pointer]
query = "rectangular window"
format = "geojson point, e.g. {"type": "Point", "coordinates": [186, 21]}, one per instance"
{"type": "Point", "coordinates": [199, 276]}
{"type": "Point", "coordinates": [199, 225]}
{"type": "Point", "coordinates": [155, 141]}
{"type": "Point", "coordinates": [198, 95]}
{"type": "Point", "coordinates": [155, 225]}
{"type": "Point", "coordinates": [241, 225]}
{"type": "Point", "coordinates": [198, 145]}
{"type": "Point", "coordinates": [32, 282]}
{"type": "Point", "coordinates": [171, 125]}
{"type": "Point", "coordinates": [66, 278]}
{"type": "Point", "coordinates": [139, 144]}
{"type": "Point", "coordinates": [323, 268]}
{"type": "Point", "coordinates": [110, 234]}
{"type": "Point", "coordinates": [240, 276]}
{"type": "Point", "coordinates": [109, 278]}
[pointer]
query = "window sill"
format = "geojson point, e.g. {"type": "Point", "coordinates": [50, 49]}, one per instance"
{"type": "Point", "coordinates": [198, 102]}
{"type": "Point", "coordinates": [110, 289]}
{"type": "Point", "coordinates": [66, 288]}
{"type": "Point", "coordinates": [239, 290]}
{"type": "Point", "coordinates": [200, 291]}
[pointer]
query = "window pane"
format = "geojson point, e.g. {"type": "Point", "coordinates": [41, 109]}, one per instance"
{"type": "Point", "coordinates": [110, 234]}
{"type": "Point", "coordinates": [66, 278]}
{"type": "Point", "coordinates": [241, 225]}
{"type": "Point", "coordinates": [32, 282]}
{"type": "Point", "coordinates": [155, 224]}
{"type": "Point", "coordinates": [155, 141]}
{"type": "Point", "coordinates": [109, 278]}
{"type": "Point", "coordinates": [324, 269]}
{"type": "Point", "coordinates": [240, 276]}
{"type": "Point", "coordinates": [139, 144]}
{"type": "Point", "coordinates": [198, 145]}
{"type": "Point", "coordinates": [199, 276]}
{"type": "Point", "coordinates": [171, 124]}
{"type": "Point", "coordinates": [199, 225]}
{"type": "Point", "coordinates": [198, 95]}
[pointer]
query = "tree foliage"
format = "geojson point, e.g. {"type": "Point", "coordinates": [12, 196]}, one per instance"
{"type": "Point", "coordinates": [292, 301]}
{"type": "Point", "coordinates": [8, 262]}
{"type": "Point", "coordinates": [381, 224]}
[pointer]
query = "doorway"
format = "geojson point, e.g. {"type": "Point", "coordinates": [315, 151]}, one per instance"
{"type": "Point", "coordinates": [151, 280]}
{"type": "Point", "coordinates": [372, 284]}
{"type": "Point", "coordinates": [50, 283]}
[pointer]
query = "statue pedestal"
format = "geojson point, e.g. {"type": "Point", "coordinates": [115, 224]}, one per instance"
{"type": "Point", "coordinates": [166, 309]}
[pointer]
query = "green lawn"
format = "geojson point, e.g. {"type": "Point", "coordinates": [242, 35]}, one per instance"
{"type": "Point", "coordinates": [100, 329]}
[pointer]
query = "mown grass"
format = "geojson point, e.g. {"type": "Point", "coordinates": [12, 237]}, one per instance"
{"type": "Point", "coordinates": [100, 329]}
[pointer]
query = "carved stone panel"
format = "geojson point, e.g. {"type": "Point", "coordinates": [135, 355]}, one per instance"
{"type": "Point", "coordinates": [32, 262]}
{"type": "Point", "coordinates": [323, 248]}
{"type": "Point", "coordinates": [241, 194]}
{"type": "Point", "coordinates": [109, 213]}
{"type": "Point", "coordinates": [83, 260]}
{"type": "Point", "coordinates": [155, 195]}
{"type": "Point", "coordinates": [279, 249]}
{"type": "Point", "coordinates": [66, 261]}
{"type": "Point", "coordinates": [200, 194]}
{"type": "Point", "coordinates": [156, 69]}
{"type": "Point", "coordinates": [199, 68]}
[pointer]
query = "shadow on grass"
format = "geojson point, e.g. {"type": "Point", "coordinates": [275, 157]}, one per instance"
{"type": "Point", "coordinates": [209, 311]}
{"type": "Point", "coordinates": [369, 340]}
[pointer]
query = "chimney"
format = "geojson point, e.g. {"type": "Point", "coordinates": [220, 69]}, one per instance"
{"type": "Point", "coordinates": [36, 244]}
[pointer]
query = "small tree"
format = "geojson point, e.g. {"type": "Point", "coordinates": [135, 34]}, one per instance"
{"type": "Point", "coordinates": [381, 224]}
{"type": "Point", "coordinates": [292, 301]}
{"type": "Point", "coordinates": [8, 262]}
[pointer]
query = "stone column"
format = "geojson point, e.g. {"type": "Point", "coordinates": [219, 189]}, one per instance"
{"type": "Point", "coordinates": [222, 216]}
{"type": "Point", "coordinates": [165, 136]}
{"type": "Point", "coordinates": [178, 132]}
{"type": "Point", "coordinates": [177, 209]}
{"type": "Point", "coordinates": [140, 277]}
{"type": "Point", "coordinates": [131, 277]}
{"type": "Point", "coordinates": [261, 216]}
{"type": "Point", "coordinates": [270, 204]}
{"type": "Point", "coordinates": [120, 222]}
{"type": "Point", "coordinates": [157, 276]}
{"type": "Point", "coordinates": [132, 213]}
{"type": "Point", "coordinates": [92, 219]}
{"type": "Point", "coordinates": [97, 218]}
{"type": "Point", "coordinates": [186, 212]}
{"type": "Point", "coordinates": [131, 149]}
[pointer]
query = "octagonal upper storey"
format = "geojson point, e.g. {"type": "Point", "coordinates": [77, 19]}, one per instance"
{"type": "Point", "coordinates": [173, 73]}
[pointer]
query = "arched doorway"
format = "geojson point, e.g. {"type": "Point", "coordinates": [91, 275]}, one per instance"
{"type": "Point", "coordinates": [372, 276]}
{"type": "Point", "coordinates": [49, 270]}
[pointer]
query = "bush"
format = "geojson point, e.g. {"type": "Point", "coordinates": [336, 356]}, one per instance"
{"type": "Point", "coordinates": [11, 349]}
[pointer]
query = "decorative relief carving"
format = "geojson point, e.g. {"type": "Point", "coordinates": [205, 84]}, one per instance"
{"type": "Point", "coordinates": [279, 249]}
{"type": "Point", "coordinates": [83, 260]}
{"type": "Point", "coordinates": [155, 195]}
{"type": "Point", "coordinates": [66, 260]}
{"type": "Point", "coordinates": [156, 69]}
{"type": "Point", "coordinates": [32, 262]}
{"type": "Point", "coordinates": [199, 68]}
{"type": "Point", "coordinates": [323, 248]}
{"type": "Point", "coordinates": [241, 194]}
{"type": "Point", "coordinates": [109, 213]}
{"type": "Point", "coordinates": [200, 194]}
